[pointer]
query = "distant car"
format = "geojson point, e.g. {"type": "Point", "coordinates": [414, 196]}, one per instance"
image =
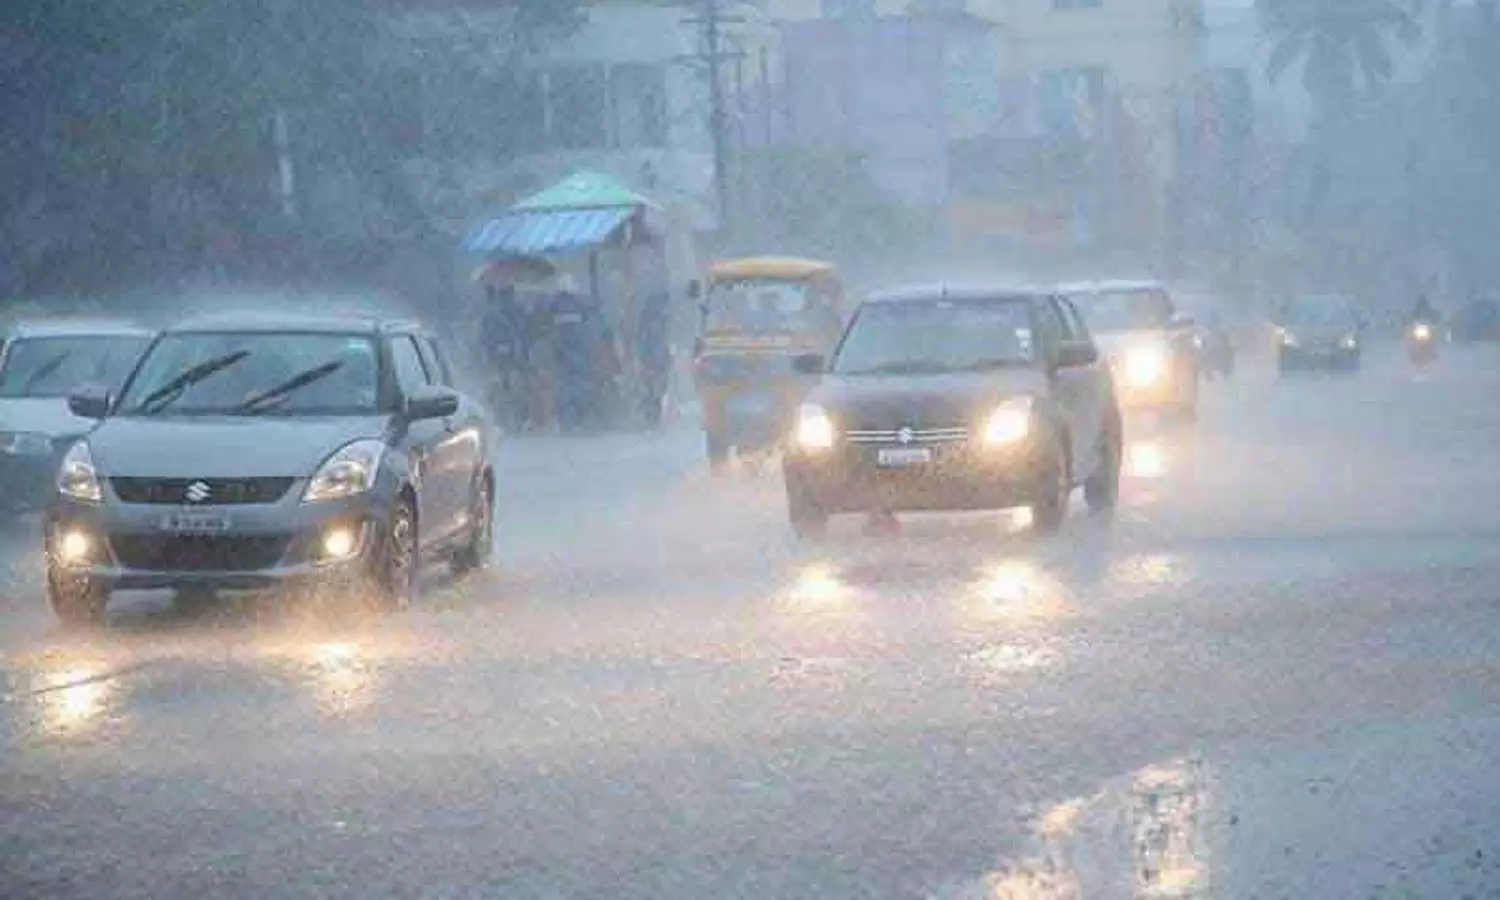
{"type": "Point", "coordinates": [956, 399]}
{"type": "Point", "coordinates": [41, 364]}
{"type": "Point", "coordinates": [329, 453]}
{"type": "Point", "coordinates": [1319, 331]}
{"type": "Point", "coordinates": [1148, 344]}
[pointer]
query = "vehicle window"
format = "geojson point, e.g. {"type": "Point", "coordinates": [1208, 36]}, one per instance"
{"type": "Point", "coordinates": [435, 362]}
{"type": "Point", "coordinates": [1076, 328]}
{"type": "Point", "coordinates": [766, 306]}
{"type": "Point", "coordinates": [935, 336]}
{"type": "Point", "coordinates": [406, 362]}
{"type": "Point", "coordinates": [259, 373]}
{"type": "Point", "coordinates": [1125, 310]}
{"type": "Point", "coordinates": [1313, 312]}
{"type": "Point", "coordinates": [58, 366]}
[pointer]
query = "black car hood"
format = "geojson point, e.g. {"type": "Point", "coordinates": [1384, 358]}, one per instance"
{"type": "Point", "coordinates": [921, 401]}
{"type": "Point", "coordinates": [224, 447]}
{"type": "Point", "coordinates": [41, 415]}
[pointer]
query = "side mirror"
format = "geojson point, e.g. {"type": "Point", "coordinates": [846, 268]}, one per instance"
{"type": "Point", "coordinates": [430, 403]}
{"type": "Point", "coordinates": [1076, 354]}
{"type": "Point", "coordinates": [90, 403]}
{"type": "Point", "coordinates": [809, 364]}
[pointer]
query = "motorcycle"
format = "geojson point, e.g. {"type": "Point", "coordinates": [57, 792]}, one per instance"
{"type": "Point", "coordinates": [1421, 343]}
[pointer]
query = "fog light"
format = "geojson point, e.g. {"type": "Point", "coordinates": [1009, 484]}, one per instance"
{"type": "Point", "coordinates": [75, 546]}
{"type": "Point", "coordinates": [340, 543]}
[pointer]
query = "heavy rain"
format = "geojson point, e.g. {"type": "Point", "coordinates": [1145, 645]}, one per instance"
{"type": "Point", "coordinates": [1004, 449]}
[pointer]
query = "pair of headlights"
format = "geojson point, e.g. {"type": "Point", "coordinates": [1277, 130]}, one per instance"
{"type": "Point", "coordinates": [1010, 423]}
{"type": "Point", "coordinates": [1350, 342]}
{"type": "Point", "coordinates": [349, 472]}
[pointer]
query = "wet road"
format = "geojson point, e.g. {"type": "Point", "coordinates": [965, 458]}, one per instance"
{"type": "Point", "coordinates": [1273, 674]}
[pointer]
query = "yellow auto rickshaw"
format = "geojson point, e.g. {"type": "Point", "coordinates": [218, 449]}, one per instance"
{"type": "Point", "coordinates": [757, 316]}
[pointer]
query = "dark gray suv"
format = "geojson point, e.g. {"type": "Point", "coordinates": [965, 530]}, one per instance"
{"type": "Point", "coordinates": [249, 453]}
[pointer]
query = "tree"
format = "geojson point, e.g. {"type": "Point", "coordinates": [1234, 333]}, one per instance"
{"type": "Point", "coordinates": [1345, 47]}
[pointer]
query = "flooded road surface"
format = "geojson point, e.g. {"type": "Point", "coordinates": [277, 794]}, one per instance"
{"type": "Point", "coordinates": [1272, 674]}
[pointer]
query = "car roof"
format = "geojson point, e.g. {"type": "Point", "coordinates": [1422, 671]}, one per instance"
{"type": "Point", "coordinates": [1112, 284]}
{"type": "Point", "coordinates": [42, 328]}
{"type": "Point", "coordinates": [942, 291]}
{"type": "Point", "coordinates": [279, 322]}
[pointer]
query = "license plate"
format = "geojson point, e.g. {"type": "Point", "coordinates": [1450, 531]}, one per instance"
{"type": "Point", "coordinates": [195, 523]}
{"type": "Point", "coordinates": [900, 457]}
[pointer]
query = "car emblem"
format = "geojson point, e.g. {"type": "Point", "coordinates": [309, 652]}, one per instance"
{"type": "Point", "coordinates": [905, 436]}
{"type": "Point", "coordinates": [197, 492]}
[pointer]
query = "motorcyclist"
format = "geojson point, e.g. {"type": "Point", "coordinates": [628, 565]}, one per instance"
{"type": "Point", "coordinates": [1424, 312]}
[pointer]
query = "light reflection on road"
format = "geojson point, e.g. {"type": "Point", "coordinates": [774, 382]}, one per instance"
{"type": "Point", "coordinates": [1014, 588]}
{"type": "Point", "coordinates": [72, 701]}
{"type": "Point", "coordinates": [1146, 460]}
{"type": "Point", "coordinates": [816, 590]}
{"type": "Point", "coordinates": [1142, 837]}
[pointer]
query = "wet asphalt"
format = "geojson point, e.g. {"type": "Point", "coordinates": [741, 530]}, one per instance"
{"type": "Point", "coordinates": [1273, 673]}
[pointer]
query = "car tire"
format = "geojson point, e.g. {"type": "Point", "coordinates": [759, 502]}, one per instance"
{"type": "Point", "coordinates": [480, 547]}
{"type": "Point", "coordinates": [393, 577]}
{"type": "Point", "coordinates": [76, 602]}
{"type": "Point", "coordinates": [1054, 490]}
{"type": "Point", "coordinates": [809, 520]}
{"type": "Point", "coordinates": [1102, 489]}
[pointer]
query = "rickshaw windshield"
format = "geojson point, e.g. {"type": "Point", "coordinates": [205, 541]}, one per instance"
{"type": "Point", "coordinates": [764, 306]}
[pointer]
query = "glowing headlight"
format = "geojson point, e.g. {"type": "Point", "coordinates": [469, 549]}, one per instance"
{"type": "Point", "coordinates": [1422, 331]}
{"type": "Point", "coordinates": [24, 443]}
{"type": "Point", "coordinates": [340, 542]}
{"type": "Point", "coordinates": [1009, 424]}
{"type": "Point", "coordinates": [1351, 343]}
{"type": "Point", "coordinates": [77, 478]}
{"type": "Point", "coordinates": [1145, 366]}
{"type": "Point", "coordinates": [75, 546]}
{"type": "Point", "coordinates": [348, 473]}
{"type": "Point", "coordinates": [814, 428]}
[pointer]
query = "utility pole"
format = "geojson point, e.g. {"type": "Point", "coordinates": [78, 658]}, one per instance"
{"type": "Point", "coordinates": [713, 32]}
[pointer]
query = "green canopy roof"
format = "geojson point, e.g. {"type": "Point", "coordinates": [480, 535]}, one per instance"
{"type": "Point", "coordinates": [583, 190]}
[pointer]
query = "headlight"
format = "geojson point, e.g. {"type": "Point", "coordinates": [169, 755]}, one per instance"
{"type": "Point", "coordinates": [77, 478]}
{"type": "Point", "coordinates": [1351, 343]}
{"type": "Point", "coordinates": [24, 443]}
{"type": "Point", "coordinates": [814, 428]}
{"type": "Point", "coordinates": [348, 473]}
{"type": "Point", "coordinates": [1145, 366]}
{"type": "Point", "coordinates": [1009, 424]}
{"type": "Point", "coordinates": [1422, 331]}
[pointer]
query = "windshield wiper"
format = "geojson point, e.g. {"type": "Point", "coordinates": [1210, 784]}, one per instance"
{"type": "Point", "coordinates": [296, 383]}
{"type": "Point", "coordinates": [998, 362]}
{"type": "Point", "coordinates": [167, 394]}
{"type": "Point", "coordinates": [46, 369]}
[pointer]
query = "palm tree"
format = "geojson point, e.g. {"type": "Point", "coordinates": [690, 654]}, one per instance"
{"type": "Point", "coordinates": [1345, 47]}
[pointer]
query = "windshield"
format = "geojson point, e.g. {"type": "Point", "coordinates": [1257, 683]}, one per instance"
{"type": "Point", "coordinates": [59, 366]}
{"type": "Point", "coordinates": [766, 306]}
{"type": "Point", "coordinates": [1125, 310]}
{"type": "Point", "coordinates": [1318, 312]}
{"type": "Point", "coordinates": [256, 374]}
{"type": "Point", "coordinates": [936, 336]}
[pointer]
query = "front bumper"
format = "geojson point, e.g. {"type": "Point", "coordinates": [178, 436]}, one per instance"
{"type": "Point", "coordinates": [962, 475]}
{"type": "Point", "coordinates": [139, 546]}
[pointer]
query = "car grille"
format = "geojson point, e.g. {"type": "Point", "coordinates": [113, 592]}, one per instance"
{"type": "Point", "coordinates": [199, 553]}
{"type": "Point", "coordinates": [220, 491]}
{"type": "Point", "coordinates": [909, 436]}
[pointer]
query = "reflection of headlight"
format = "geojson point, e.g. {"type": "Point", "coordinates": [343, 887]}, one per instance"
{"type": "Point", "coordinates": [1351, 343]}
{"type": "Point", "coordinates": [347, 473]}
{"type": "Point", "coordinates": [814, 428]}
{"type": "Point", "coordinates": [24, 443]}
{"type": "Point", "coordinates": [77, 478]}
{"type": "Point", "coordinates": [1009, 424]}
{"type": "Point", "coordinates": [1145, 366]}
{"type": "Point", "coordinates": [1422, 332]}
